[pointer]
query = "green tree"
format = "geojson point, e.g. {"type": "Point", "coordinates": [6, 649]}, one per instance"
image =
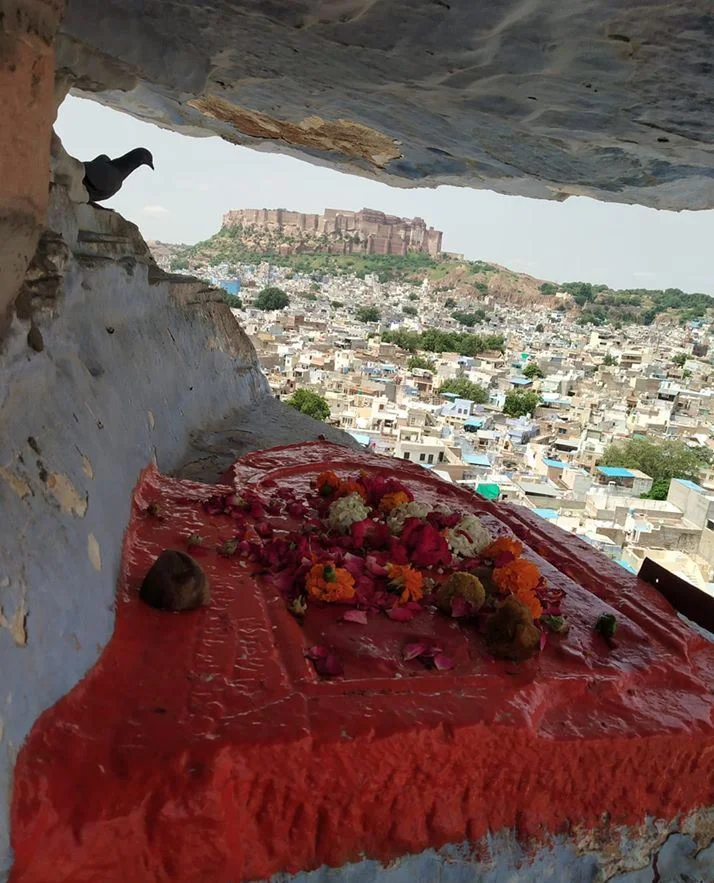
{"type": "Point", "coordinates": [308, 402]}
{"type": "Point", "coordinates": [661, 460]}
{"type": "Point", "coordinates": [409, 311]}
{"type": "Point", "coordinates": [310, 295]}
{"type": "Point", "coordinates": [532, 371]}
{"type": "Point", "coordinates": [368, 314]}
{"type": "Point", "coordinates": [469, 319]}
{"type": "Point", "coordinates": [518, 403]}
{"type": "Point", "coordinates": [679, 359]}
{"type": "Point", "coordinates": [449, 303]}
{"type": "Point", "coordinates": [609, 360]}
{"type": "Point", "coordinates": [540, 328]}
{"type": "Point", "coordinates": [465, 389]}
{"type": "Point", "coordinates": [336, 304]}
{"type": "Point", "coordinates": [420, 362]}
{"type": "Point", "coordinates": [548, 288]}
{"type": "Point", "coordinates": [413, 296]}
{"type": "Point", "coordinates": [271, 298]}
{"type": "Point", "coordinates": [233, 301]}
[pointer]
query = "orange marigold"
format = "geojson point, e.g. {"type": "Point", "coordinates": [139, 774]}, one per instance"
{"type": "Point", "coordinates": [391, 501]}
{"type": "Point", "coordinates": [410, 581]}
{"type": "Point", "coordinates": [325, 582]}
{"type": "Point", "coordinates": [350, 486]}
{"type": "Point", "coordinates": [327, 483]}
{"type": "Point", "coordinates": [529, 599]}
{"type": "Point", "coordinates": [518, 575]}
{"type": "Point", "coordinates": [503, 545]}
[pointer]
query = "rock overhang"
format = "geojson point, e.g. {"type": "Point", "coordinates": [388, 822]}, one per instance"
{"type": "Point", "coordinates": [603, 99]}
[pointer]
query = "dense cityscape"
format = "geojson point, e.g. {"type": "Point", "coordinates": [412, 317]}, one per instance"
{"type": "Point", "coordinates": [602, 428]}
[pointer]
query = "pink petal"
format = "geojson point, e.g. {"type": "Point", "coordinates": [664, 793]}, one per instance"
{"type": "Point", "coordinates": [443, 662]}
{"type": "Point", "coordinates": [318, 651]}
{"type": "Point", "coordinates": [359, 616]}
{"type": "Point", "coordinates": [543, 639]}
{"type": "Point", "coordinates": [400, 614]}
{"type": "Point", "coordinates": [414, 650]}
{"type": "Point", "coordinates": [460, 607]}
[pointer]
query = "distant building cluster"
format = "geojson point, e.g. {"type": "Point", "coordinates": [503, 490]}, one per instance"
{"type": "Point", "coordinates": [364, 232]}
{"type": "Point", "coordinates": [593, 386]}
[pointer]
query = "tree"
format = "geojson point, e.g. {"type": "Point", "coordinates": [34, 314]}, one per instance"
{"type": "Point", "coordinates": [233, 301]}
{"type": "Point", "coordinates": [420, 362]}
{"type": "Point", "coordinates": [679, 359]}
{"type": "Point", "coordinates": [548, 288]}
{"type": "Point", "coordinates": [532, 370]}
{"type": "Point", "coordinates": [469, 319]}
{"type": "Point", "coordinates": [310, 403]}
{"type": "Point", "coordinates": [465, 389]}
{"type": "Point", "coordinates": [661, 460]}
{"type": "Point", "coordinates": [368, 314]}
{"type": "Point", "coordinates": [413, 296]}
{"type": "Point", "coordinates": [336, 304]}
{"type": "Point", "coordinates": [310, 295]}
{"type": "Point", "coordinates": [518, 404]}
{"type": "Point", "coordinates": [449, 303]}
{"type": "Point", "coordinates": [271, 298]}
{"type": "Point", "coordinates": [609, 360]}
{"type": "Point", "coordinates": [540, 328]}
{"type": "Point", "coordinates": [409, 311]}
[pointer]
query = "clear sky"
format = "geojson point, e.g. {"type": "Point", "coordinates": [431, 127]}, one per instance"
{"type": "Point", "coordinates": [198, 179]}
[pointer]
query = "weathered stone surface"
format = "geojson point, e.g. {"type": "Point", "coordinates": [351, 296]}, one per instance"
{"type": "Point", "coordinates": [132, 363]}
{"type": "Point", "coordinates": [27, 28]}
{"type": "Point", "coordinates": [599, 97]}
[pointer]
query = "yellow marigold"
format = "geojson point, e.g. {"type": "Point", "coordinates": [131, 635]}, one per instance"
{"type": "Point", "coordinates": [391, 501]}
{"type": "Point", "coordinates": [327, 483]}
{"type": "Point", "coordinates": [519, 574]}
{"type": "Point", "coordinates": [325, 582]}
{"type": "Point", "coordinates": [503, 545]}
{"type": "Point", "coordinates": [410, 581]}
{"type": "Point", "coordinates": [350, 486]}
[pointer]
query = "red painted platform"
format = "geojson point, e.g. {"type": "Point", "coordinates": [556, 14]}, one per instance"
{"type": "Point", "coordinates": [204, 747]}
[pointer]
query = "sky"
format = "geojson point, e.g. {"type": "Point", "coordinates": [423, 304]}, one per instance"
{"type": "Point", "coordinates": [197, 180]}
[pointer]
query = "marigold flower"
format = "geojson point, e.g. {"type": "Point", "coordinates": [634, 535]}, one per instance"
{"type": "Point", "coordinates": [391, 501]}
{"type": "Point", "coordinates": [325, 582]}
{"type": "Point", "coordinates": [503, 546]}
{"type": "Point", "coordinates": [529, 599]}
{"type": "Point", "coordinates": [327, 483]}
{"type": "Point", "coordinates": [408, 580]}
{"type": "Point", "coordinates": [464, 585]}
{"type": "Point", "coordinates": [519, 574]}
{"type": "Point", "coordinates": [350, 486]}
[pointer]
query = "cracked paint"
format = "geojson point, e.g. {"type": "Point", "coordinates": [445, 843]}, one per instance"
{"type": "Point", "coordinates": [17, 485]}
{"type": "Point", "coordinates": [93, 552]}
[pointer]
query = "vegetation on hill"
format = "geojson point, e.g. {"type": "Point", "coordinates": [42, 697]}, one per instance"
{"type": "Point", "coordinates": [308, 402]}
{"type": "Point", "coordinates": [436, 341]}
{"type": "Point", "coordinates": [233, 301]}
{"type": "Point", "coordinates": [420, 362]}
{"type": "Point", "coordinates": [661, 460]}
{"type": "Point", "coordinates": [469, 319]}
{"type": "Point", "coordinates": [462, 280]}
{"type": "Point", "coordinates": [465, 389]}
{"type": "Point", "coordinates": [532, 371]}
{"type": "Point", "coordinates": [368, 314]}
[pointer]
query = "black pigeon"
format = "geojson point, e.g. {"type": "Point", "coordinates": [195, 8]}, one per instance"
{"type": "Point", "coordinates": [103, 177]}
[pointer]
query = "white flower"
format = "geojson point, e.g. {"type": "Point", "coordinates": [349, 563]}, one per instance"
{"type": "Point", "coordinates": [398, 515]}
{"type": "Point", "coordinates": [346, 511]}
{"type": "Point", "coordinates": [469, 537]}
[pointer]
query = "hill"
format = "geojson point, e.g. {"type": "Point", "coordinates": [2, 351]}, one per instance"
{"type": "Point", "coordinates": [586, 302]}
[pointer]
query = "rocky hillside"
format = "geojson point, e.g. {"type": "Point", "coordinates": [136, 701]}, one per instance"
{"type": "Point", "coordinates": [587, 302]}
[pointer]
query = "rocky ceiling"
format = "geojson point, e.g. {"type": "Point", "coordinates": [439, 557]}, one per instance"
{"type": "Point", "coordinates": [548, 98]}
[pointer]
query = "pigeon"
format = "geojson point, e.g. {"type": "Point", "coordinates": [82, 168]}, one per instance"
{"type": "Point", "coordinates": [103, 177]}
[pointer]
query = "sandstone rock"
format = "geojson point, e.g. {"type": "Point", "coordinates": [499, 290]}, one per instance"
{"type": "Point", "coordinates": [593, 97]}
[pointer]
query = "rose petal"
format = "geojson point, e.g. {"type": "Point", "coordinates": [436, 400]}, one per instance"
{"type": "Point", "coordinates": [329, 666]}
{"type": "Point", "coordinates": [414, 650]}
{"type": "Point", "coordinates": [400, 614]}
{"type": "Point", "coordinates": [442, 662]}
{"type": "Point", "coordinates": [318, 651]}
{"type": "Point", "coordinates": [543, 639]}
{"type": "Point", "coordinates": [460, 607]}
{"type": "Point", "coordinates": [359, 616]}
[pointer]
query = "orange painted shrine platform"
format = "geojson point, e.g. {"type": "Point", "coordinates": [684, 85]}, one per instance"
{"type": "Point", "coordinates": [204, 746]}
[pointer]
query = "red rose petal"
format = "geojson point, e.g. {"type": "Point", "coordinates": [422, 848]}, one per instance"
{"type": "Point", "coordinates": [358, 616]}
{"type": "Point", "coordinates": [442, 662]}
{"type": "Point", "coordinates": [400, 614]}
{"type": "Point", "coordinates": [414, 650]}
